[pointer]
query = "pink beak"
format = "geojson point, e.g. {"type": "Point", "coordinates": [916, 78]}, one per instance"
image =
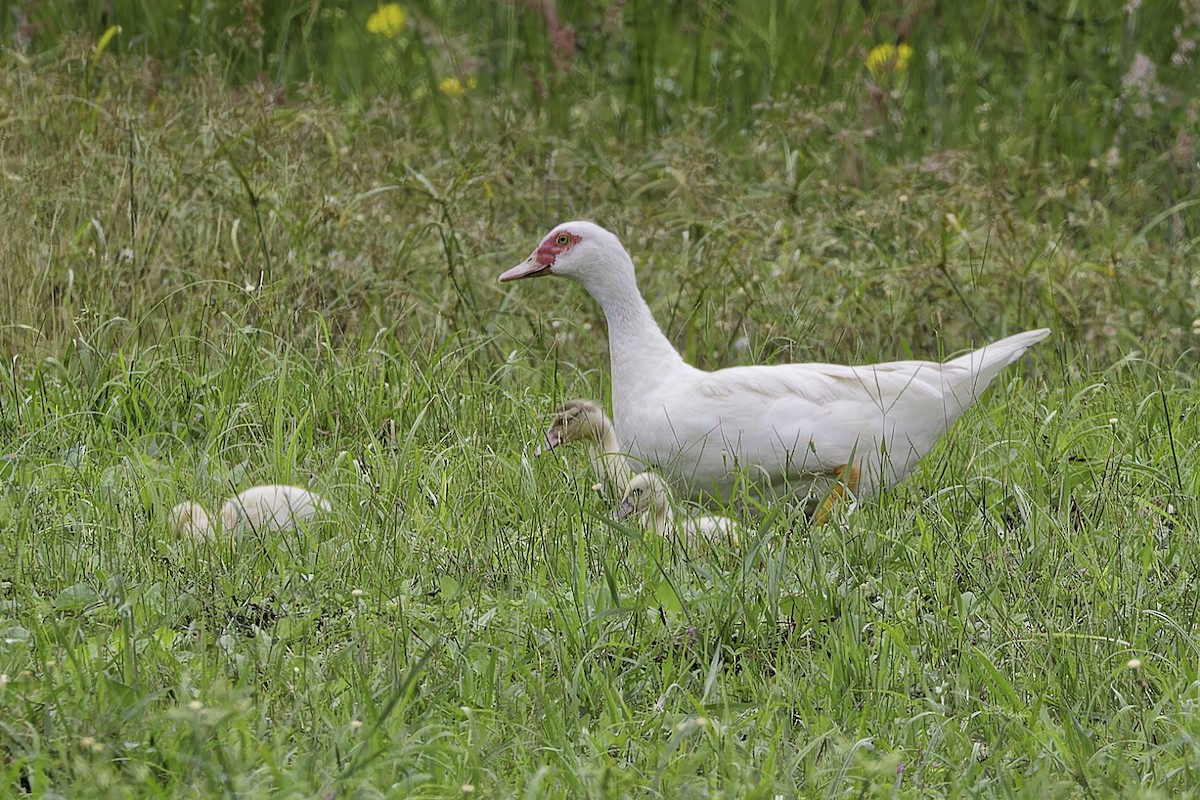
{"type": "Point", "coordinates": [529, 268]}
{"type": "Point", "coordinates": [625, 509]}
{"type": "Point", "coordinates": [552, 441]}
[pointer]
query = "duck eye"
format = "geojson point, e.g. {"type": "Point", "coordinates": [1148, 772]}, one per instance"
{"type": "Point", "coordinates": [562, 240]}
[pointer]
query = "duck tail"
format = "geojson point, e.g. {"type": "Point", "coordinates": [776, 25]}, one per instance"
{"type": "Point", "coordinates": [980, 367]}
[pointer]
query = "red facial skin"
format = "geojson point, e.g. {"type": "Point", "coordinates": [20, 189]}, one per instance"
{"type": "Point", "coordinates": [543, 258]}
{"type": "Point", "coordinates": [552, 246]}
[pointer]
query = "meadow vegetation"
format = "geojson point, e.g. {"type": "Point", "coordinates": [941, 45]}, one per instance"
{"type": "Point", "coordinates": [258, 243]}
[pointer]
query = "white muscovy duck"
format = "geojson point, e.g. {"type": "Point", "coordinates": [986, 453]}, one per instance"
{"type": "Point", "coordinates": [585, 421]}
{"type": "Point", "coordinates": [787, 429]}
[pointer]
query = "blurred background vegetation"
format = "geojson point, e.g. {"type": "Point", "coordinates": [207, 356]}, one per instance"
{"type": "Point", "coordinates": [1096, 81]}
{"type": "Point", "coordinates": [991, 163]}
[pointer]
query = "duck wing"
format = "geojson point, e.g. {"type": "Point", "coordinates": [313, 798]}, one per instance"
{"type": "Point", "coordinates": [793, 422]}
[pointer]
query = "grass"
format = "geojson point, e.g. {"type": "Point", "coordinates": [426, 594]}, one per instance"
{"type": "Point", "coordinates": [211, 281]}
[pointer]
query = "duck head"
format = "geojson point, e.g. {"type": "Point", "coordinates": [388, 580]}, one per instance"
{"type": "Point", "coordinates": [581, 250]}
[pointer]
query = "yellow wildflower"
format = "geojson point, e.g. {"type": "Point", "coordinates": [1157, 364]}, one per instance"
{"type": "Point", "coordinates": [453, 87]}
{"type": "Point", "coordinates": [885, 58]}
{"type": "Point", "coordinates": [388, 20]}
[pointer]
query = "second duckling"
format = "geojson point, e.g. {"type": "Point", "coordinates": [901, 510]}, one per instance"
{"type": "Point", "coordinates": [648, 497]}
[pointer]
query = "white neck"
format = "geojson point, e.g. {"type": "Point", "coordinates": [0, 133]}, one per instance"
{"type": "Point", "coordinates": [642, 357]}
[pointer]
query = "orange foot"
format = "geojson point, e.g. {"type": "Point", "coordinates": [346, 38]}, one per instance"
{"type": "Point", "coordinates": [847, 481]}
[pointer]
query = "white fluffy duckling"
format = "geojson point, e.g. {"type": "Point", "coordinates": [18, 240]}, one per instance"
{"type": "Point", "coordinates": [648, 497]}
{"type": "Point", "coordinates": [261, 508]}
{"type": "Point", "coordinates": [585, 421]}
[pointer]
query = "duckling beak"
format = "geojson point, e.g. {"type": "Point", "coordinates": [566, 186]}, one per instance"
{"type": "Point", "coordinates": [529, 268]}
{"type": "Point", "coordinates": [625, 509]}
{"type": "Point", "coordinates": [553, 440]}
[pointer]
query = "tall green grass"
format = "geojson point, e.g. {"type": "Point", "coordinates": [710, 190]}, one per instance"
{"type": "Point", "coordinates": [1016, 619]}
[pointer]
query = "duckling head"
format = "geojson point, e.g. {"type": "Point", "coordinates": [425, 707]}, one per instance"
{"type": "Point", "coordinates": [645, 496]}
{"type": "Point", "coordinates": [574, 421]}
{"type": "Point", "coordinates": [191, 519]}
